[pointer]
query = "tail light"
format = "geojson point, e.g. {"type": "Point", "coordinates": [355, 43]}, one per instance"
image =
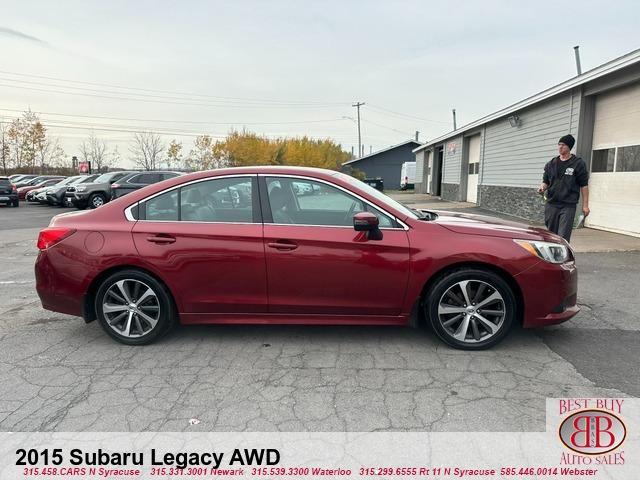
{"type": "Point", "coordinates": [14, 189]}
{"type": "Point", "coordinates": [52, 235]}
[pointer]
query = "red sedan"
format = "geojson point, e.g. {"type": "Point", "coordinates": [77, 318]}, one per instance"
{"type": "Point", "coordinates": [298, 245]}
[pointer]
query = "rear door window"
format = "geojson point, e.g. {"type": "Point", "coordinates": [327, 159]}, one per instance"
{"type": "Point", "coordinates": [163, 207]}
{"type": "Point", "coordinates": [218, 200]}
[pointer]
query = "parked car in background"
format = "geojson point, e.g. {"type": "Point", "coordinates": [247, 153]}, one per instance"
{"type": "Point", "coordinates": [137, 180]}
{"type": "Point", "coordinates": [32, 195]}
{"type": "Point", "coordinates": [43, 182]}
{"type": "Point", "coordinates": [20, 177]}
{"type": "Point", "coordinates": [56, 194]}
{"type": "Point", "coordinates": [96, 193]}
{"type": "Point", "coordinates": [8, 192]}
{"type": "Point", "coordinates": [33, 180]}
{"type": "Point", "coordinates": [185, 250]}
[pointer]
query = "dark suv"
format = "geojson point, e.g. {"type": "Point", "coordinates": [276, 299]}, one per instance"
{"type": "Point", "coordinates": [137, 180]}
{"type": "Point", "coordinates": [8, 192]}
{"type": "Point", "coordinates": [94, 194]}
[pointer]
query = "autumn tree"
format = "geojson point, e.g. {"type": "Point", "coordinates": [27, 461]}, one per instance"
{"type": "Point", "coordinates": [174, 155]}
{"type": "Point", "coordinates": [4, 147]}
{"type": "Point", "coordinates": [202, 155]}
{"type": "Point", "coordinates": [247, 148]}
{"type": "Point", "coordinates": [94, 150]}
{"type": "Point", "coordinates": [146, 150]}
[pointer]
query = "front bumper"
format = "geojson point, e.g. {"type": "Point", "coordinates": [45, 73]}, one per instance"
{"type": "Point", "coordinates": [549, 292]}
{"type": "Point", "coordinates": [80, 199]}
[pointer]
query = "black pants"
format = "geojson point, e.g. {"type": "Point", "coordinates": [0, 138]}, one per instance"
{"type": "Point", "coordinates": [559, 219]}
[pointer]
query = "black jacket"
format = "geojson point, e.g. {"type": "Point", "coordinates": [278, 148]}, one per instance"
{"type": "Point", "coordinates": [565, 180]}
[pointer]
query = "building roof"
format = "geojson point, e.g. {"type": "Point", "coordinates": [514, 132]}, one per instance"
{"type": "Point", "coordinates": [600, 71]}
{"type": "Point", "coordinates": [382, 151]}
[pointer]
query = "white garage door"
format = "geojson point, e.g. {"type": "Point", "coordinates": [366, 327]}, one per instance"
{"type": "Point", "coordinates": [614, 185]}
{"type": "Point", "coordinates": [474, 168]}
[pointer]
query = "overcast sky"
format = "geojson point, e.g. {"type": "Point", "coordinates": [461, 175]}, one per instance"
{"type": "Point", "coordinates": [293, 67]}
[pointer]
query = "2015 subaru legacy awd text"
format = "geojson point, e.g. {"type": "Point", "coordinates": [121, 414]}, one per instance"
{"type": "Point", "coordinates": [298, 245]}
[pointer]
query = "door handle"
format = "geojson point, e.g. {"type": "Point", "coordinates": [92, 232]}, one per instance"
{"type": "Point", "coordinates": [161, 239]}
{"type": "Point", "coordinates": [283, 245]}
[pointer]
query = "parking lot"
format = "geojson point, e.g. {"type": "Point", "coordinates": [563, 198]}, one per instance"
{"type": "Point", "coordinates": [60, 374]}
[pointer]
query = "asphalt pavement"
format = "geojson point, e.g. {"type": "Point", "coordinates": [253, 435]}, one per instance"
{"type": "Point", "coordinates": [57, 373]}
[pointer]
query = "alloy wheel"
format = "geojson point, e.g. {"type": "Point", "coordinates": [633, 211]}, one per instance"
{"type": "Point", "coordinates": [131, 308]}
{"type": "Point", "coordinates": [471, 311]}
{"type": "Point", "coordinates": [97, 201]}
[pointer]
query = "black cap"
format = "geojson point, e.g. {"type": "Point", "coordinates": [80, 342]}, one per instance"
{"type": "Point", "coordinates": [568, 140]}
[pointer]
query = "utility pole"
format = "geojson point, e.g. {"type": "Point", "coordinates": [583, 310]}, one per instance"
{"type": "Point", "coordinates": [454, 119]}
{"type": "Point", "coordinates": [358, 105]}
{"type": "Point", "coordinates": [417, 136]}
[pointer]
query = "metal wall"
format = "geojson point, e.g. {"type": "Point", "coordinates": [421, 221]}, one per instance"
{"type": "Point", "coordinates": [452, 160]}
{"type": "Point", "coordinates": [387, 164]}
{"type": "Point", "coordinates": [515, 156]}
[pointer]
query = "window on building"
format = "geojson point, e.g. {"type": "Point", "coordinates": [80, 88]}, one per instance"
{"type": "Point", "coordinates": [603, 160]}
{"type": "Point", "coordinates": [628, 159]}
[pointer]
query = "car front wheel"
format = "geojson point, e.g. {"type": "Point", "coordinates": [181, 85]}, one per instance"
{"type": "Point", "coordinates": [471, 309]}
{"type": "Point", "coordinates": [134, 308]}
{"type": "Point", "coordinates": [97, 200]}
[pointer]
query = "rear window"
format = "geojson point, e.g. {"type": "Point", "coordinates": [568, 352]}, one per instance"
{"type": "Point", "coordinates": [4, 182]}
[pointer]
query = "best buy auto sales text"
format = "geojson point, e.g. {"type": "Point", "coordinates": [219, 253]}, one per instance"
{"type": "Point", "coordinates": [100, 457]}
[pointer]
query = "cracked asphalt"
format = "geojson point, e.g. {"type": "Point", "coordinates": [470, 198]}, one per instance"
{"type": "Point", "coordinates": [58, 374]}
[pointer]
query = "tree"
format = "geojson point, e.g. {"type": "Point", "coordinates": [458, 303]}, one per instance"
{"type": "Point", "coordinates": [94, 150]}
{"type": "Point", "coordinates": [4, 147]}
{"type": "Point", "coordinates": [174, 155]}
{"type": "Point", "coordinates": [247, 148]}
{"type": "Point", "coordinates": [201, 156]}
{"type": "Point", "coordinates": [147, 150]}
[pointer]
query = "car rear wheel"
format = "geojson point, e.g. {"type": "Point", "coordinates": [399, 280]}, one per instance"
{"type": "Point", "coordinates": [134, 308]}
{"type": "Point", "coordinates": [97, 200]}
{"type": "Point", "coordinates": [471, 309]}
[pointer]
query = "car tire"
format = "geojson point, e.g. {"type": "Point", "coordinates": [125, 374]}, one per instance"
{"type": "Point", "coordinates": [475, 321]}
{"type": "Point", "coordinates": [97, 200]}
{"type": "Point", "coordinates": [16, 203]}
{"type": "Point", "coordinates": [134, 328]}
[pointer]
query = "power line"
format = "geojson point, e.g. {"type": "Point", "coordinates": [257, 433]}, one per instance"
{"type": "Point", "coordinates": [283, 102]}
{"type": "Point", "coordinates": [110, 97]}
{"type": "Point", "coordinates": [179, 121]}
{"type": "Point", "coordinates": [399, 114]}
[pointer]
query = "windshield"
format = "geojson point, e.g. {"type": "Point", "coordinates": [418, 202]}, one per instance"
{"type": "Point", "coordinates": [66, 181]}
{"type": "Point", "coordinates": [378, 195]}
{"type": "Point", "coordinates": [104, 178]}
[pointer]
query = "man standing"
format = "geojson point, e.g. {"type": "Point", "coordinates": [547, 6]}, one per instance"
{"type": "Point", "coordinates": [565, 176]}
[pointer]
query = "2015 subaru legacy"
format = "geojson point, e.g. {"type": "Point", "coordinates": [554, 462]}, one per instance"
{"type": "Point", "coordinates": [298, 245]}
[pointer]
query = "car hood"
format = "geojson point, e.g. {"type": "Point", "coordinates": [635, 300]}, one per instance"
{"type": "Point", "coordinates": [470, 224]}
{"type": "Point", "coordinates": [91, 185]}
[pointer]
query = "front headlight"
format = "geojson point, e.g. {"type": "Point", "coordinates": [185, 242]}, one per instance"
{"type": "Point", "coordinates": [548, 251]}
{"type": "Point", "coordinates": [80, 188]}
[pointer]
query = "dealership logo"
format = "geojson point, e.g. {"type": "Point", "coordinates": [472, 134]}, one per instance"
{"type": "Point", "coordinates": [592, 432]}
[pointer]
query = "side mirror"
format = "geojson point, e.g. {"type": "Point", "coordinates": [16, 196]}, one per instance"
{"type": "Point", "coordinates": [365, 222]}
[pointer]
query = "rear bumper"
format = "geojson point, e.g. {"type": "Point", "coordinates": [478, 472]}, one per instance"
{"type": "Point", "coordinates": [10, 198]}
{"type": "Point", "coordinates": [549, 292]}
{"type": "Point", "coordinates": [59, 291]}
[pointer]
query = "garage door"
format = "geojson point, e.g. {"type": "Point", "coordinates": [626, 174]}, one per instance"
{"type": "Point", "coordinates": [474, 168]}
{"type": "Point", "coordinates": [615, 162]}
